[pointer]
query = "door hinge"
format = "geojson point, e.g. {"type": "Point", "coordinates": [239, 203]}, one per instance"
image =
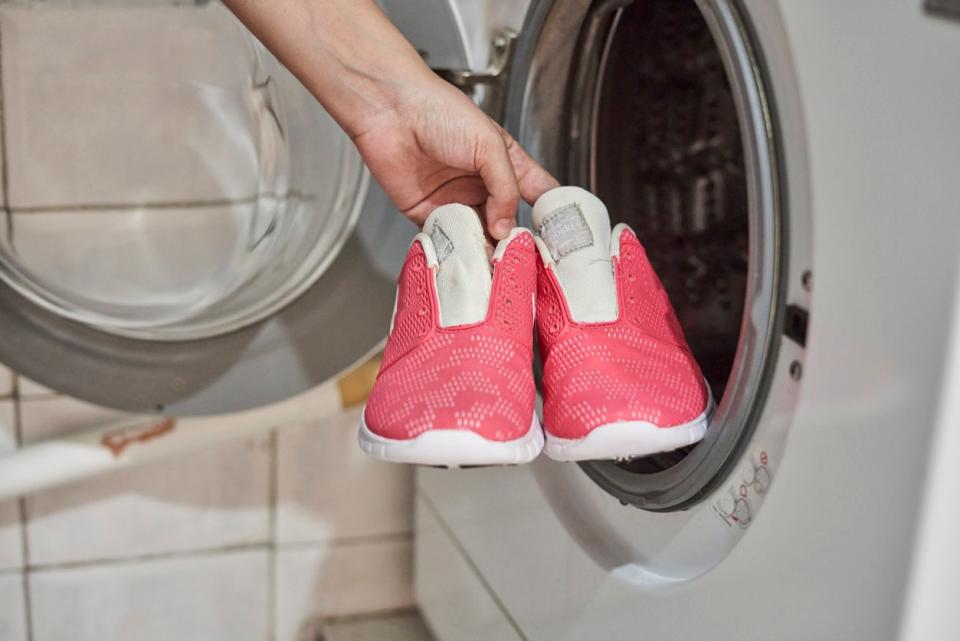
{"type": "Point", "coordinates": [488, 88]}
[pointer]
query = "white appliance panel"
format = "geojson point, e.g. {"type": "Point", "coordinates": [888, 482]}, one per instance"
{"type": "Point", "coordinates": [828, 555]}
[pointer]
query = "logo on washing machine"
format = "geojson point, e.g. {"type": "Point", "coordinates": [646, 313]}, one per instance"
{"type": "Point", "coordinates": [737, 506]}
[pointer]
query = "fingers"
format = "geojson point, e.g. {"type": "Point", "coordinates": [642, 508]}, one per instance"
{"type": "Point", "coordinates": [532, 179]}
{"type": "Point", "coordinates": [496, 170]}
{"type": "Point", "coordinates": [464, 189]}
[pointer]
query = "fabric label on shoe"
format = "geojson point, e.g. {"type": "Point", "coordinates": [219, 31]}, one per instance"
{"type": "Point", "coordinates": [441, 243]}
{"type": "Point", "coordinates": [565, 231]}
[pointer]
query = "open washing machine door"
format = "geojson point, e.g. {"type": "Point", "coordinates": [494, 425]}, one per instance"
{"type": "Point", "coordinates": [185, 229]}
{"type": "Point", "coordinates": [761, 153]}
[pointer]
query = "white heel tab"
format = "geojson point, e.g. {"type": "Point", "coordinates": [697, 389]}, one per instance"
{"type": "Point", "coordinates": [459, 255]}
{"type": "Point", "coordinates": [429, 251]}
{"type": "Point", "coordinates": [573, 238]}
{"type": "Point", "coordinates": [560, 197]}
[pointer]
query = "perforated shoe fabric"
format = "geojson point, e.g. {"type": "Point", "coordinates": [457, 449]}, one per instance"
{"type": "Point", "coordinates": [462, 394]}
{"type": "Point", "coordinates": [621, 388]}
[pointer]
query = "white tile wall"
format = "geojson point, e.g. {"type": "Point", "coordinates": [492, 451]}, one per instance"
{"type": "Point", "coordinates": [49, 415]}
{"type": "Point", "coordinates": [27, 387]}
{"type": "Point", "coordinates": [6, 376]}
{"type": "Point", "coordinates": [12, 612]}
{"type": "Point", "coordinates": [192, 547]}
{"type": "Point", "coordinates": [336, 580]}
{"type": "Point", "coordinates": [58, 120]}
{"type": "Point", "coordinates": [8, 429]}
{"type": "Point", "coordinates": [328, 488]}
{"type": "Point", "coordinates": [220, 597]}
{"type": "Point", "coordinates": [206, 499]}
{"type": "Point", "coordinates": [11, 542]}
{"type": "Point", "coordinates": [94, 534]}
{"type": "Point", "coordinates": [11, 538]}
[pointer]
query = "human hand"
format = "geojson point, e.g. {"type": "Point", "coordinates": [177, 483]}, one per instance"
{"type": "Point", "coordinates": [425, 142]}
{"type": "Point", "coordinates": [435, 147]}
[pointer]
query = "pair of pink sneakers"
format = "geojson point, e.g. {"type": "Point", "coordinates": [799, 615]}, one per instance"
{"type": "Point", "coordinates": [456, 384]}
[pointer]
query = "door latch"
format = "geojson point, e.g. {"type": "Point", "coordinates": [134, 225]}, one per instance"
{"type": "Point", "coordinates": [795, 324]}
{"type": "Point", "coordinates": [488, 88]}
{"type": "Point", "coordinates": [943, 8]}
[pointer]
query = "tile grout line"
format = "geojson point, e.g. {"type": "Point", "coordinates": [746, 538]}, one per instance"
{"type": "Point", "coordinates": [273, 481]}
{"type": "Point", "coordinates": [145, 558]}
{"type": "Point", "coordinates": [25, 576]}
{"type": "Point", "coordinates": [23, 518]}
{"type": "Point", "coordinates": [373, 615]}
{"type": "Point", "coordinates": [343, 542]}
{"type": "Point", "coordinates": [350, 541]}
{"type": "Point", "coordinates": [4, 165]}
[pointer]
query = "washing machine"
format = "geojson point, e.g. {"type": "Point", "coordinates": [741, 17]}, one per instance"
{"type": "Point", "coordinates": [789, 166]}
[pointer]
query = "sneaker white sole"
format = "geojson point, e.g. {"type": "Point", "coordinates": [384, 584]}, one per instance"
{"type": "Point", "coordinates": [627, 439]}
{"type": "Point", "coordinates": [453, 447]}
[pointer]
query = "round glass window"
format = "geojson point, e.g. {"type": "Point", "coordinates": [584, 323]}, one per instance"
{"type": "Point", "coordinates": [167, 178]}
{"type": "Point", "coordinates": [666, 118]}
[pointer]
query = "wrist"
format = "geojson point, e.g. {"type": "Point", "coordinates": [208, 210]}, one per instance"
{"type": "Point", "coordinates": [383, 94]}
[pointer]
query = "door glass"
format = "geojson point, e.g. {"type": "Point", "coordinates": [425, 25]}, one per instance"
{"type": "Point", "coordinates": [669, 158]}
{"type": "Point", "coordinates": [661, 107]}
{"type": "Point", "coordinates": [165, 177]}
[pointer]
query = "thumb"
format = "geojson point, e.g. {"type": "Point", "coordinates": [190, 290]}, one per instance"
{"type": "Point", "coordinates": [496, 171]}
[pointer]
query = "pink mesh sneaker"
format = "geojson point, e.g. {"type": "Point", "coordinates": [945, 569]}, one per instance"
{"type": "Point", "coordinates": [456, 386]}
{"type": "Point", "coordinates": [619, 380]}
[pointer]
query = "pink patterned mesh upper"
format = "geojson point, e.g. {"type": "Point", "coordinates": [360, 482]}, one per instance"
{"type": "Point", "coordinates": [636, 368]}
{"type": "Point", "coordinates": [476, 376]}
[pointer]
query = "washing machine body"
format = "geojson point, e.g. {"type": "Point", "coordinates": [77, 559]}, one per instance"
{"type": "Point", "coordinates": [787, 165]}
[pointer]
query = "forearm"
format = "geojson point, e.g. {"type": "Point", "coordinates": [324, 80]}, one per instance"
{"type": "Point", "coordinates": [346, 52]}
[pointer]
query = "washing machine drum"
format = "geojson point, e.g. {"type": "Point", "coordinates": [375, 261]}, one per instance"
{"type": "Point", "coordinates": [200, 236]}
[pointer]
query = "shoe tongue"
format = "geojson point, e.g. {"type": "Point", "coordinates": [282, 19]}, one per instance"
{"type": "Point", "coordinates": [575, 227]}
{"type": "Point", "coordinates": [464, 278]}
